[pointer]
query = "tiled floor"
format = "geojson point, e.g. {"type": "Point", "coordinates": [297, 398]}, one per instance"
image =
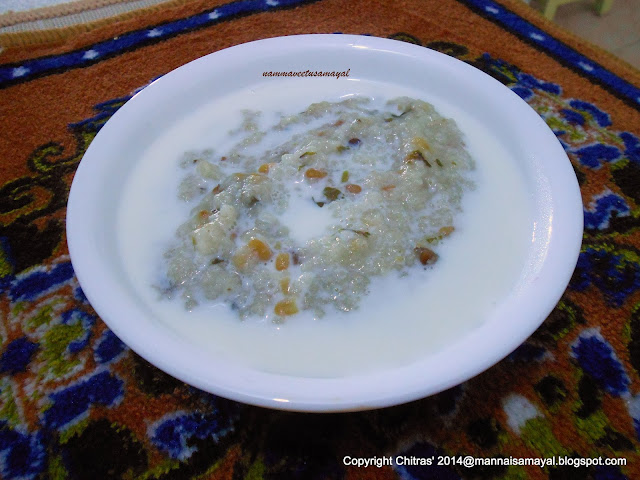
{"type": "Point", "coordinates": [617, 31]}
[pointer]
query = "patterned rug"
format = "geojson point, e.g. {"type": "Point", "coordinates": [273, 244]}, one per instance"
{"type": "Point", "coordinates": [76, 403]}
{"type": "Point", "coordinates": [37, 20]}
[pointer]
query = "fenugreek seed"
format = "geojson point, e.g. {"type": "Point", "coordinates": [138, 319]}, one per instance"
{"type": "Point", "coordinates": [286, 307]}
{"type": "Point", "coordinates": [282, 261]}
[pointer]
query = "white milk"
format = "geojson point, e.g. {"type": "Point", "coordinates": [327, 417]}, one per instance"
{"type": "Point", "coordinates": [302, 217]}
{"type": "Point", "coordinates": [402, 319]}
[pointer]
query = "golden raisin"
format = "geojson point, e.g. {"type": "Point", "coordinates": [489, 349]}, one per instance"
{"type": "Point", "coordinates": [282, 261]}
{"type": "Point", "coordinates": [264, 168]}
{"type": "Point", "coordinates": [351, 188]}
{"type": "Point", "coordinates": [286, 307]}
{"type": "Point", "coordinates": [314, 173]}
{"type": "Point", "coordinates": [260, 248]}
{"type": "Point", "coordinates": [426, 255]}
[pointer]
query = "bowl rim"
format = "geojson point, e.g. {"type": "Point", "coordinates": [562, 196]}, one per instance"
{"type": "Point", "coordinates": [334, 394]}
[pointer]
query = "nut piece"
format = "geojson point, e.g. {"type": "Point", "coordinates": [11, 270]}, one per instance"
{"type": "Point", "coordinates": [286, 307]}
{"type": "Point", "coordinates": [208, 170]}
{"type": "Point", "coordinates": [426, 255]}
{"type": "Point", "coordinates": [282, 261]}
{"type": "Point", "coordinates": [208, 238]}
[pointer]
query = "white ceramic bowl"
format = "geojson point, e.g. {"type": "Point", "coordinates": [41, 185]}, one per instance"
{"type": "Point", "coordinates": [98, 185]}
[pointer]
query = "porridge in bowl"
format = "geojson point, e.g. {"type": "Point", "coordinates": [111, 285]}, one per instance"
{"type": "Point", "coordinates": [336, 237]}
{"type": "Point", "coordinates": [302, 215]}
